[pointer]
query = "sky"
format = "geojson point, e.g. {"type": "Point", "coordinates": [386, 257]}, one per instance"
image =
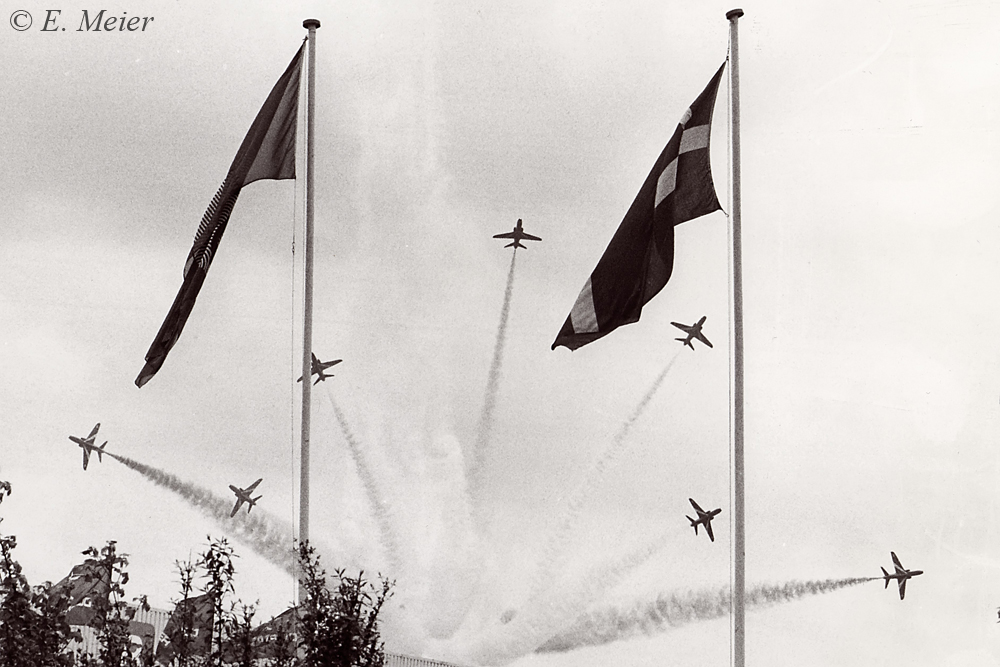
{"type": "Point", "coordinates": [870, 158]}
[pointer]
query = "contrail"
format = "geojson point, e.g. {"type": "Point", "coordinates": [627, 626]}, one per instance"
{"type": "Point", "coordinates": [554, 553]}
{"type": "Point", "coordinates": [380, 505]}
{"type": "Point", "coordinates": [268, 536]}
{"type": "Point", "coordinates": [481, 452]}
{"type": "Point", "coordinates": [674, 610]}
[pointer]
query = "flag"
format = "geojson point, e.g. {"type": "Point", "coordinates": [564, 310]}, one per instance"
{"type": "Point", "coordinates": [267, 151]}
{"type": "Point", "coordinates": [279, 636]}
{"type": "Point", "coordinates": [86, 585]}
{"type": "Point", "coordinates": [199, 612]}
{"type": "Point", "coordinates": [640, 258]}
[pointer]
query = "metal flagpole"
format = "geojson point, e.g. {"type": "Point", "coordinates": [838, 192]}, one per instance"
{"type": "Point", "coordinates": [311, 25]}
{"type": "Point", "coordinates": [739, 537]}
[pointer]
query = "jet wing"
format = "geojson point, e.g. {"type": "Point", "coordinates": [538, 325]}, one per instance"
{"type": "Point", "coordinates": [902, 588]}
{"type": "Point", "coordinates": [702, 338]}
{"type": "Point", "coordinates": [326, 364]}
{"type": "Point", "coordinates": [507, 235]}
{"type": "Point", "coordinates": [895, 561]}
{"type": "Point", "coordinates": [94, 432]}
{"type": "Point", "coordinates": [695, 505]}
{"type": "Point", "coordinates": [236, 507]}
{"type": "Point", "coordinates": [683, 327]}
{"type": "Point", "coordinates": [253, 486]}
{"type": "Point", "coordinates": [86, 457]}
{"type": "Point", "coordinates": [708, 529]}
{"type": "Point", "coordinates": [529, 237]}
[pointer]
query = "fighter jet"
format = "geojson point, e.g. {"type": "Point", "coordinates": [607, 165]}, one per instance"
{"type": "Point", "coordinates": [901, 575]}
{"type": "Point", "coordinates": [243, 496]}
{"type": "Point", "coordinates": [704, 518]}
{"type": "Point", "coordinates": [693, 331]}
{"type": "Point", "coordinates": [518, 234]}
{"type": "Point", "coordinates": [88, 446]}
{"type": "Point", "coordinates": [319, 366]}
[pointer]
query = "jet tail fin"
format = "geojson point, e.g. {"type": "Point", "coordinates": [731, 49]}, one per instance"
{"type": "Point", "coordinates": [100, 450]}
{"type": "Point", "coordinates": [694, 524]}
{"type": "Point", "coordinates": [886, 575]}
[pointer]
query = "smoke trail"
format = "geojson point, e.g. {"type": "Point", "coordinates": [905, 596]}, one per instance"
{"type": "Point", "coordinates": [380, 505]}
{"type": "Point", "coordinates": [554, 553]}
{"type": "Point", "coordinates": [454, 559]}
{"type": "Point", "coordinates": [622, 567]}
{"type": "Point", "coordinates": [268, 536]}
{"type": "Point", "coordinates": [524, 631]}
{"type": "Point", "coordinates": [674, 610]}
{"type": "Point", "coordinates": [481, 452]}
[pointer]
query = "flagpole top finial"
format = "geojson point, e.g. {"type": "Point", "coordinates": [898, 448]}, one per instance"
{"type": "Point", "coordinates": [734, 14]}
{"type": "Point", "coordinates": [310, 24]}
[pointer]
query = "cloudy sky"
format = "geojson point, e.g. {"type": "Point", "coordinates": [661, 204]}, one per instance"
{"type": "Point", "coordinates": [870, 163]}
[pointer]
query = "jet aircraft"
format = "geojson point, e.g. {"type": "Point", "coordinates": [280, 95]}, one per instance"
{"type": "Point", "coordinates": [693, 331]}
{"type": "Point", "coordinates": [88, 446]}
{"type": "Point", "coordinates": [901, 575]}
{"type": "Point", "coordinates": [243, 496]}
{"type": "Point", "coordinates": [704, 518]}
{"type": "Point", "coordinates": [319, 366]}
{"type": "Point", "coordinates": [518, 234]}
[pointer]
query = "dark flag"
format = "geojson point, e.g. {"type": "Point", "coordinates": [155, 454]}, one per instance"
{"type": "Point", "coordinates": [267, 151]}
{"type": "Point", "coordinates": [86, 587]}
{"type": "Point", "coordinates": [188, 631]}
{"type": "Point", "coordinates": [640, 258]}
{"type": "Point", "coordinates": [279, 637]}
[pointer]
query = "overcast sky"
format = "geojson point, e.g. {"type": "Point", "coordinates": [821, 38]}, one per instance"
{"type": "Point", "coordinates": [870, 163]}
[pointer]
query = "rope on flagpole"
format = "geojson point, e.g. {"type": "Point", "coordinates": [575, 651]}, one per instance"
{"type": "Point", "coordinates": [298, 195]}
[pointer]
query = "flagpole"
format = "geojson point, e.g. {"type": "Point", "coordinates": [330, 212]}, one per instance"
{"type": "Point", "coordinates": [311, 25]}
{"type": "Point", "coordinates": [739, 537]}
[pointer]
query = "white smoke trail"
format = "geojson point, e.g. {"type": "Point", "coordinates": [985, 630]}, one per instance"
{"type": "Point", "coordinates": [455, 560]}
{"type": "Point", "coordinates": [533, 625]}
{"type": "Point", "coordinates": [672, 610]}
{"type": "Point", "coordinates": [380, 505]}
{"type": "Point", "coordinates": [554, 553]}
{"type": "Point", "coordinates": [268, 536]}
{"type": "Point", "coordinates": [480, 458]}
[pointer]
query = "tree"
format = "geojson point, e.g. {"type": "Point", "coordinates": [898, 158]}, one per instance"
{"type": "Point", "coordinates": [113, 614]}
{"type": "Point", "coordinates": [277, 640]}
{"type": "Point", "coordinates": [242, 651]}
{"type": "Point", "coordinates": [33, 627]}
{"type": "Point", "coordinates": [340, 628]}
{"type": "Point", "coordinates": [219, 570]}
{"type": "Point", "coordinates": [282, 648]}
{"type": "Point", "coordinates": [179, 647]}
